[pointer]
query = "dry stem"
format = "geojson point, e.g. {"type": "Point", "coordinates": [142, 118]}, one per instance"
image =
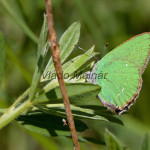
{"type": "Point", "coordinates": [58, 67]}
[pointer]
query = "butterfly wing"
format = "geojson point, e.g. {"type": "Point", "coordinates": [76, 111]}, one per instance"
{"type": "Point", "coordinates": [121, 70]}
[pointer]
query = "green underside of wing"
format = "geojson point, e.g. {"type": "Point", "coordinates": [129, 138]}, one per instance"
{"type": "Point", "coordinates": [121, 83]}
{"type": "Point", "coordinates": [123, 67]}
{"type": "Point", "coordinates": [133, 51]}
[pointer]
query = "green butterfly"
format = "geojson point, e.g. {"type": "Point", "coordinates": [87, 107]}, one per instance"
{"type": "Point", "coordinates": [119, 73]}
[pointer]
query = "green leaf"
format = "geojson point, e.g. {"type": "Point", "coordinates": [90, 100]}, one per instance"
{"type": "Point", "coordinates": [49, 124]}
{"type": "Point", "coordinates": [67, 41]}
{"type": "Point", "coordinates": [38, 71]}
{"type": "Point", "coordinates": [78, 112]}
{"type": "Point", "coordinates": [146, 142]}
{"type": "Point", "coordinates": [2, 57]}
{"type": "Point", "coordinates": [71, 66]}
{"type": "Point", "coordinates": [112, 142]}
{"type": "Point", "coordinates": [102, 111]}
{"type": "Point", "coordinates": [78, 93]}
{"type": "Point", "coordinates": [70, 62]}
{"type": "Point", "coordinates": [42, 51]}
{"type": "Point", "coordinates": [37, 131]}
{"type": "Point", "coordinates": [43, 36]}
{"type": "Point", "coordinates": [79, 61]}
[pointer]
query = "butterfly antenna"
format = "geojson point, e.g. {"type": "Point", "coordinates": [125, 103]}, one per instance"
{"type": "Point", "coordinates": [105, 48]}
{"type": "Point", "coordinates": [85, 51]}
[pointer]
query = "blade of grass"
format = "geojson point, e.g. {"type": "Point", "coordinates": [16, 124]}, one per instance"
{"type": "Point", "coordinates": [13, 58]}
{"type": "Point", "coordinates": [19, 21]}
{"type": "Point", "coordinates": [112, 142]}
{"type": "Point", "coordinates": [145, 144]}
{"type": "Point", "coordinates": [2, 58]}
{"type": "Point", "coordinates": [90, 23]}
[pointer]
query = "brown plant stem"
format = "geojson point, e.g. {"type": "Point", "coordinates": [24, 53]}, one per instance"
{"type": "Point", "coordinates": [58, 67]}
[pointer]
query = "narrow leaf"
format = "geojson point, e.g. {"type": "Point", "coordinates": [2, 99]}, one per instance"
{"type": "Point", "coordinates": [102, 111]}
{"type": "Point", "coordinates": [2, 57]}
{"type": "Point", "coordinates": [78, 112]}
{"type": "Point", "coordinates": [78, 94]}
{"type": "Point", "coordinates": [67, 41]}
{"type": "Point", "coordinates": [146, 142]}
{"type": "Point", "coordinates": [41, 53]}
{"type": "Point", "coordinates": [38, 71]}
{"type": "Point", "coordinates": [71, 66]}
{"type": "Point", "coordinates": [56, 128]}
{"type": "Point", "coordinates": [43, 36]}
{"type": "Point", "coordinates": [49, 124]}
{"type": "Point", "coordinates": [79, 61]}
{"type": "Point", "coordinates": [112, 142]}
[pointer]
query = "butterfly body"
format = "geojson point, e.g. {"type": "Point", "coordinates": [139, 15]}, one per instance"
{"type": "Point", "coordinates": [122, 70]}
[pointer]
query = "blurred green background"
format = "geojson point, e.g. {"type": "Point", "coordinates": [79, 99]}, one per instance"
{"type": "Point", "coordinates": [112, 21]}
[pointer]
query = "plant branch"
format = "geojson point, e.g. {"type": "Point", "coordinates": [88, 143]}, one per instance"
{"type": "Point", "coordinates": [12, 112]}
{"type": "Point", "coordinates": [58, 67]}
{"type": "Point", "coordinates": [10, 115]}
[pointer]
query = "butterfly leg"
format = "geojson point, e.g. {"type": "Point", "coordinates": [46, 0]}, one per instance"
{"type": "Point", "coordinates": [92, 78]}
{"type": "Point", "coordinates": [88, 74]}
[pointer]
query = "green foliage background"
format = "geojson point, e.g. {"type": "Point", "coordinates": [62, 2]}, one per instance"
{"type": "Point", "coordinates": [101, 22]}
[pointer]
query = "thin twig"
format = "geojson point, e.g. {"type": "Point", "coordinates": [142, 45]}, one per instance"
{"type": "Point", "coordinates": [58, 67]}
